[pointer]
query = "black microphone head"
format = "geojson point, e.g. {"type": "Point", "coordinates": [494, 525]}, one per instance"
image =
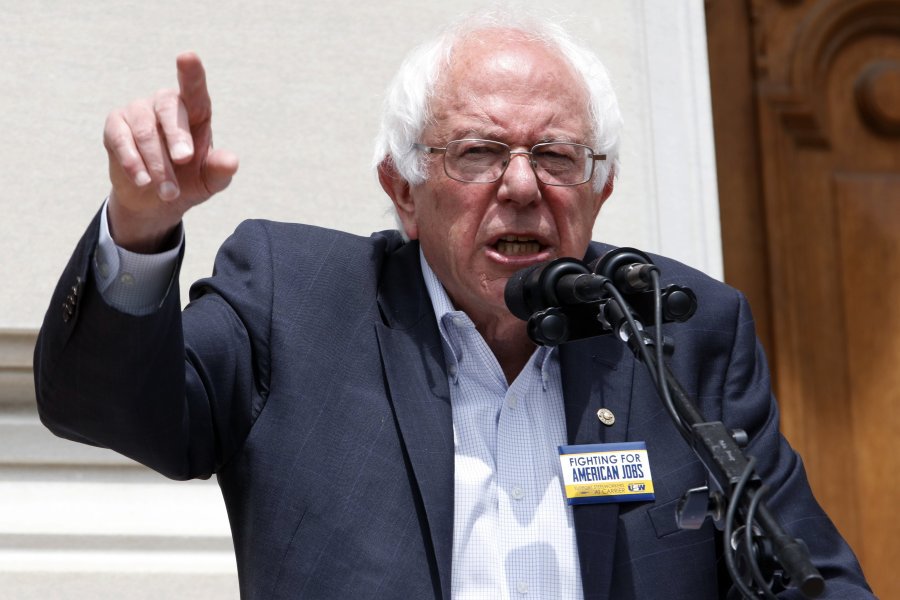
{"type": "Point", "coordinates": [609, 264]}
{"type": "Point", "coordinates": [534, 288]}
{"type": "Point", "coordinates": [517, 293]}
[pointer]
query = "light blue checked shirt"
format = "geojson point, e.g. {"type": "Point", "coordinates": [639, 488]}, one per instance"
{"type": "Point", "coordinates": [513, 534]}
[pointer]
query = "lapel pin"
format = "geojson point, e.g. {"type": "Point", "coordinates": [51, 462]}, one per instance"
{"type": "Point", "coordinates": [606, 416]}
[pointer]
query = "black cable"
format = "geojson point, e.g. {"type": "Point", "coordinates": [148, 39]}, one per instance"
{"type": "Point", "coordinates": [649, 361]}
{"type": "Point", "coordinates": [794, 561]}
{"type": "Point", "coordinates": [730, 516]}
{"type": "Point", "coordinates": [664, 391]}
{"type": "Point", "coordinates": [620, 300]}
{"type": "Point", "coordinates": [748, 544]}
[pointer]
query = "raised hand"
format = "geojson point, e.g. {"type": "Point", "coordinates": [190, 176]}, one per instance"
{"type": "Point", "coordinates": [161, 160]}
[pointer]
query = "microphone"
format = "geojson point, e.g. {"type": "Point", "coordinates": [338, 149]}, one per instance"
{"type": "Point", "coordinates": [565, 299]}
{"type": "Point", "coordinates": [630, 271]}
{"type": "Point", "coordinates": [563, 282]}
{"type": "Point", "coordinates": [628, 268]}
{"type": "Point", "coordinates": [558, 299]}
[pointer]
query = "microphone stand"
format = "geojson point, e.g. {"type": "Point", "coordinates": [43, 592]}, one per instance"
{"type": "Point", "coordinates": [764, 544]}
{"type": "Point", "coordinates": [755, 545]}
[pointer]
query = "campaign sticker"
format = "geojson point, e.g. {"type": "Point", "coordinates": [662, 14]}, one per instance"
{"type": "Point", "coordinates": [600, 473]}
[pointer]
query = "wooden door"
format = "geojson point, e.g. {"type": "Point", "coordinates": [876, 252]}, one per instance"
{"type": "Point", "coordinates": [806, 103]}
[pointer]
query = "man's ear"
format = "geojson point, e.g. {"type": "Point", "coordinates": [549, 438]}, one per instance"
{"type": "Point", "coordinates": [607, 189]}
{"type": "Point", "coordinates": [606, 192]}
{"type": "Point", "coordinates": [399, 190]}
{"type": "Point", "coordinates": [608, 186]}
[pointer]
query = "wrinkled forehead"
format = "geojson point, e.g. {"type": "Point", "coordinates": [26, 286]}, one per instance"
{"type": "Point", "coordinates": [508, 64]}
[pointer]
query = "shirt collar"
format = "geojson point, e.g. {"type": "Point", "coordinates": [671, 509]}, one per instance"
{"type": "Point", "coordinates": [445, 313]}
{"type": "Point", "coordinates": [440, 301]}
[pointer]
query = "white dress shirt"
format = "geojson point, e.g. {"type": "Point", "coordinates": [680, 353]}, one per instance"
{"type": "Point", "coordinates": [133, 283]}
{"type": "Point", "coordinates": [513, 533]}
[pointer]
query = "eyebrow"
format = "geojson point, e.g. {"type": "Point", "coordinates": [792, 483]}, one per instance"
{"type": "Point", "coordinates": [497, 135]}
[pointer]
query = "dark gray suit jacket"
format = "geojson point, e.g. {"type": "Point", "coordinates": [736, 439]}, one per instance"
{"type": "Point", "coordinates": [307, 373]}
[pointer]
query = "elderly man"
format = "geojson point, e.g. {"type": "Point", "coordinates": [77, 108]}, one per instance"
{"type": "Point", "coordinates": [379, 423]}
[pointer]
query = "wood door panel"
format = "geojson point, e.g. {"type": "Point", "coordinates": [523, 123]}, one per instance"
{"type": "Point", "coordinates": [821, 252]}
{"type": "Point", "coordinates": [868, 213]}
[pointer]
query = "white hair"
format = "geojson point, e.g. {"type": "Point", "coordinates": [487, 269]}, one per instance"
{"type": "Point", "coordinates": [407, 103]}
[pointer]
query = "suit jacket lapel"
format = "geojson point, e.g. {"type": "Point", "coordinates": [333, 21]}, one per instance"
{"type": "Point", "coordinates": [597, 373]}
{"type": "Point", "coordinates": [415, 373]}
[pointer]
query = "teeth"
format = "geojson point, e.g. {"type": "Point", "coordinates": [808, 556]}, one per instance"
{"type": "Point", "coordinates": [514, 245]}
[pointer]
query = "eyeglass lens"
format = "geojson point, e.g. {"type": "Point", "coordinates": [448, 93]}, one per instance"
{"type": "Point", "coordinates": [484, 161]}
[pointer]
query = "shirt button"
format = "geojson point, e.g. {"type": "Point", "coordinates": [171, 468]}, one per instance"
{"type": "Point", "coordinates": [103, 268]}
{"type": "Point", "coordinates": [512, 401]}
{"type": "Point", "coordinates": [522, 587]}
{"type": "Point", "coordinates": [127, 279]}
{"type": "Point", "coordinates": [518, 493]}
{"type": "Point", "coordinates": [452, 370]}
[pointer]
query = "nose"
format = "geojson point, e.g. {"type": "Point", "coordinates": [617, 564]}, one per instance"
{"type": "Point", "coordinates": [519, 183]}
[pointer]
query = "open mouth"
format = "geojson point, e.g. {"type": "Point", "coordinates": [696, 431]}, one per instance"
{"type": "Point", "coordinates": [514, 245]}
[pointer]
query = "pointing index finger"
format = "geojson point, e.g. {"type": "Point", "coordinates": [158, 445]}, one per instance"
{"type": "Point", "coordinates": [192, 88]}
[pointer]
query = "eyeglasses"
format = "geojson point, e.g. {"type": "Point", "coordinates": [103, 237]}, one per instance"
{"type": "Point", "coordinates": [485, 161]}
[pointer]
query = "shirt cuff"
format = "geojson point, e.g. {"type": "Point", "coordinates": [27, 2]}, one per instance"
{"type": "Point", "coordinates": [133, 283]}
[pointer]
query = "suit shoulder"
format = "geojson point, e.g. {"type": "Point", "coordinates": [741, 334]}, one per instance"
{"type": "Point", "coordinates": [716, 299]}
{"type": "Point", "coordinates": [674, 272]}
{"type": "Point", "coordinates": [297, 255]}
{"type": "Point", "coordinates": [284, 235]}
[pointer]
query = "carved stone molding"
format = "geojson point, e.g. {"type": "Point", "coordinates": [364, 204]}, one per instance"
{"type": "Point", "coordinates": [91, 522]}
{"type": "Point", "coordinates": [826, 30]}
{"type": "Point", "coordinates": [27, 443]}
{"type": "Point", "coordinates": [16, 383]}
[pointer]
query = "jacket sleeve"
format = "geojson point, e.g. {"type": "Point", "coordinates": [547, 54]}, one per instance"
{"type": "Point", "coordinates": [749, 404]}
{"type": "Point", "coordinates": [133, 384]}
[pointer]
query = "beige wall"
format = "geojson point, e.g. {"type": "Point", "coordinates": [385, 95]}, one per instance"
{"type": "Point", "coordinates": [296, 91]}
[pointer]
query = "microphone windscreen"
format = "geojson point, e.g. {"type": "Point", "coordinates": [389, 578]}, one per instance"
{"type": "Point", "coordinates": [517, 293]}
{"type": "Point", "coordinates": [609, 264]}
